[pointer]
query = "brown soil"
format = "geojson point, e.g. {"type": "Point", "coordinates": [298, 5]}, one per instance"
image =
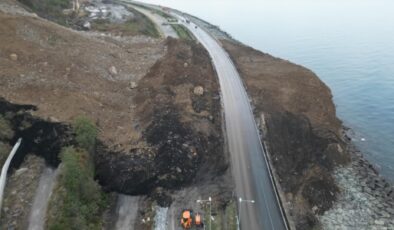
{"type": "Point", "coordinates": [156, 134]}
{"type": "Point", "coordinates": [178, 131]}
{"type": "Point", "coordinates": [19, 193]}
{"type": "Point", "coordinates": [300, 127]}
{"type": "Point", "coordinates": [66, 73]}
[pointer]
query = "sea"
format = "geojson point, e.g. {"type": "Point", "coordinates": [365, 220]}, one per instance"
{"type": "Point", "coordinates": [349, 44]}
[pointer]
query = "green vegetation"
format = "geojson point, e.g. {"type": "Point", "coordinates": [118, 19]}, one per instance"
{"type": "Point", "coordinates": [50, 9]}
{"type": "Point", "coordinates": [85, 133]}
{"type": "Point", "coordinates": [222, 218]}
{"type": "Point", "coordinates": [163, 14]}
{"type": "Point", "coordinates": [6, 132]}
{"type": "Point", "coordinates": [183, 32]}
{"type": "Point", "coordinates": [77, 202]}
{"type": "Point", "coordinates": [231, 215]}
{"type": "Point", "coordinates": [131, 27]}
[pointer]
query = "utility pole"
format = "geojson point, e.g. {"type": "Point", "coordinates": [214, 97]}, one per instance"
{"type": "Point", "coordinates": [240, 200]}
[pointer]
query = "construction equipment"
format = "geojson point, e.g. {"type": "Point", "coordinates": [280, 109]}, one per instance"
{"type": "Point", "coordinates": [198, 221]}
{"type": "Point", "coordinates": [186, 220]}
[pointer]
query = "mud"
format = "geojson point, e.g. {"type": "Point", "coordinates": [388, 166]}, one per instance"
{"type": "Point", "coordinates": [41, 137]}
{"type": "Point", "coordinates": [177, 142]}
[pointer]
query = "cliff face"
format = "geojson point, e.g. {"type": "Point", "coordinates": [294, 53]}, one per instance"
{"type": "Point", "coordinates": [300, 127]}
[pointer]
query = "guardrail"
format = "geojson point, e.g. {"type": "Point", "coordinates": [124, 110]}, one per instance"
{"type": "Point", "coordinates": [4, 171]}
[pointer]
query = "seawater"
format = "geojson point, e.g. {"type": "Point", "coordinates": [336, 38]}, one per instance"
{"type": "Point", "coordinates": [348, 44]}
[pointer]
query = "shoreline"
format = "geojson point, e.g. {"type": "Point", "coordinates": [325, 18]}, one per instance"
{"type": "Point", "coordinates": [366, 197]}
{"type": "Point", "coordinates": [358, 180]}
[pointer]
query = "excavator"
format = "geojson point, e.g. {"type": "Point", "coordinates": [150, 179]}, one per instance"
{"type": "Point", "coordinates": [186, 220]}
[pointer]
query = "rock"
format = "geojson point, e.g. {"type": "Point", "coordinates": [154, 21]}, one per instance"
{"type": "Point", "coordinates": [87, 25]}
{"type": "Point", "coordinates": [133, 85]}
{"type": "Point", "coordinates": [53, 119]}
{"type": "Point", "coordinates": [14, 57]}
{"type": "Point", "coordinates": [20, 171]}
{"type": "Point", "coordinates": [112, 70]}
{"type": "Point", "coordinates": [198, 90]}
{"type": "Point", "coordinates": [67, 12]}
{"type": "Point", "coordinates": [379, 222]}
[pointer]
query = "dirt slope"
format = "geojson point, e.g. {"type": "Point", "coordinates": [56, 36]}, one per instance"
{"type": "Point", "coordinates": [178, 129]}
{"type": "Point", "coordinates": [298, 121]}
{"type": "Point", "coordinates": [67, 73]}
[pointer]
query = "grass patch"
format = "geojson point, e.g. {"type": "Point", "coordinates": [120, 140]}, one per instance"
{"type": "Point", "coordinates": [85, 133]}
{"type": "Point", "coordinates": [6, 132]}
{"type": "Point", "coordinates": [183, 32]}
{"type": "Point", "coordinates": [139, 25]}
{"type": "Point", "coordinates": [231, 215]}
{"type": "Point", "coordinates": [50, 9]}
{"type": "Point", "coordinates": [77, 202]}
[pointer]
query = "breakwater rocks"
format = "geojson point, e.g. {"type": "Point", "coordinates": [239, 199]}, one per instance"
{"type": "Point", "coordinates": [366, 200]}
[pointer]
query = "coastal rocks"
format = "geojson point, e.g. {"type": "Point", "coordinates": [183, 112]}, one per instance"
{"type": "Point", "coordinates": [366, 200]}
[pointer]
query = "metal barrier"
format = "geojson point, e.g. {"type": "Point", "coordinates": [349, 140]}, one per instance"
{"type": "Point", "coordinates": [4, 170]}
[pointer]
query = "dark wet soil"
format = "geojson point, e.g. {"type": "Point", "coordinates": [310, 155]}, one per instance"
{"type": "Point", "coordinates": [181, 137]}
{"type": "Point", "coordinates": [41, 137]}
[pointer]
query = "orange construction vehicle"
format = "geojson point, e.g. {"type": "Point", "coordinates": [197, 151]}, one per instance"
{"type": "Point", "coordinates": [186, 220]}
{"type": "Point", "coordinates": [198, 221]}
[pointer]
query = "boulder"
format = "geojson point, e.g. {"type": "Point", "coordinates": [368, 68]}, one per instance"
{"type": "Point", "coordinates": [198, 90]}
{"type": "Point", "coordinates": [113, 71]}
{"type": "Point", "coordinates": [133, 85]}
{"type": "Point", "coordinates": [14, 57]}
{"type": "Point", "coordinates": [87, 25]}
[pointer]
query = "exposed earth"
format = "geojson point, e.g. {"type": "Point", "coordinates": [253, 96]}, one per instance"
{"type": "Point", "coordinates": [156, 105]}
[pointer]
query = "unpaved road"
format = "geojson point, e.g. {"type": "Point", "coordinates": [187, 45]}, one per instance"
{"type": "Point", "coordinates": [41, 199]}
{"type": "Point", "coordinates": [161, 22]}
{"type": "Point", "coordinates": [127, 208]}
{"type": "Point", "coordinates": [248, 163]}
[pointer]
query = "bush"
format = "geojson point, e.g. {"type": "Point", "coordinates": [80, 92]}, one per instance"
{"type": "Point", "coordinates": [86, 133]}
{"type": "Point", "coordinates": [78, 201]}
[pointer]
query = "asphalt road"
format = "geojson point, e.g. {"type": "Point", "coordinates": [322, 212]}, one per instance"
{"type": "Point", "coordinates": [248, 163]}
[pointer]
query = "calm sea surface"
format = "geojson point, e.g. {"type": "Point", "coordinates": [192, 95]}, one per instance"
{"type": "Point", "coordinates": [349, 44]}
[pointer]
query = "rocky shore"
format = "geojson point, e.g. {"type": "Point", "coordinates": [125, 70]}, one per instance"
{"type": "Point", "coordinates": [366, 200]}
{"type": "Point", "coordinates": [334, 187]}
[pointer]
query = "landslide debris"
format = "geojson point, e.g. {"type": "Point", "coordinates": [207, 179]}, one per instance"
{"type": "Point", "coordinates": [180, 132]}
{"type": "Point", "coordinates": [65, 73]}
{"type": "Point", "coordinates": [300, 127]}
{"type": "Point", "coordinates": [95, 15]}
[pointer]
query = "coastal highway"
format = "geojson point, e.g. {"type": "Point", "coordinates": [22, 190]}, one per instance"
{"type": "Point", "coordinates": [248, 161]}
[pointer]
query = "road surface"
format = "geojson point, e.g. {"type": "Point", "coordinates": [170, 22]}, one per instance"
{"type": "Point", "coordinates": [165, 29]}
{"type": "Point", "coordinates": [43, 193]}
{"type": "Point", "coordinates": [127, 208]}
{"type": "Point", "coordinates": [248, 163]}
